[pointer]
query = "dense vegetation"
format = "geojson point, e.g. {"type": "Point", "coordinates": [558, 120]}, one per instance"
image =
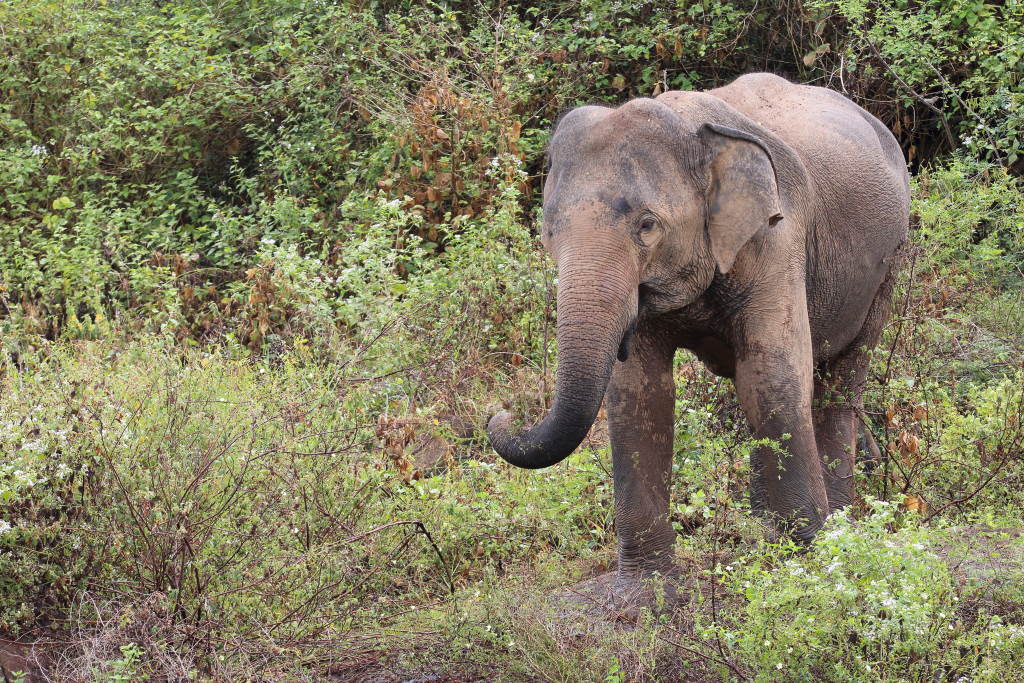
{"type": "Point", "coordinates": [266, 267]}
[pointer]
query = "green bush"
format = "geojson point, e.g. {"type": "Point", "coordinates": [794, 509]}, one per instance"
{"type": "Point", "coordinates": [870, 600]}
{"type": "Point", "coordinates": [863, 604]}
{"type": "Point", "coordinates": [142, 141]}
{"type": "Point", "coordinates": [958, 59]}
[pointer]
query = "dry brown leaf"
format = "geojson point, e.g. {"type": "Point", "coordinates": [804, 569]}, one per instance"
{"type": "Point", "coordinates": [914, 504]}
{"type": "Point", "coordinates": [909, 443]}
{"type": "Point", "coordinates": [890, 417]}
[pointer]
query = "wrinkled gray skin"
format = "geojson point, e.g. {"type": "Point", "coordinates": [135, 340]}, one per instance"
{"type": "Point", "coordinates": [755, 225]}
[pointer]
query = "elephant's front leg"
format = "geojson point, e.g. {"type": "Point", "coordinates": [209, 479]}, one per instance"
{"type": "Point", "coordinates": [641, 406]}
{"type": "Point", "coordinates": [775, 386]}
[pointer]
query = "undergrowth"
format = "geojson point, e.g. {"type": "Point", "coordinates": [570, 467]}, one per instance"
{"type": "Point", "coordinates": [300, 510]}
{"type": "Point", "coordinates": [267, 268]}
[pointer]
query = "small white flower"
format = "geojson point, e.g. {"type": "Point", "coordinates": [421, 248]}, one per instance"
{"type": "Point", "coordinates": [779, 666]}
{"type": "Point", "coordinates": [33, 446]}
{"type": "Point", "coordinates": [5, 526]}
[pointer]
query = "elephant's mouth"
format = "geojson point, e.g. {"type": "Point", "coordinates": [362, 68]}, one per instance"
{"type": "Point", "coordinates": [644, 294]}
{"type": "Point", "coordinates": [627, 341]}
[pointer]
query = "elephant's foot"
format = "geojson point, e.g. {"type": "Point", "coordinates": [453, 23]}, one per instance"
{"type": "Point", "coordinates": [801, 527]}
{"type": "Point", "coordinates": [622, 596]}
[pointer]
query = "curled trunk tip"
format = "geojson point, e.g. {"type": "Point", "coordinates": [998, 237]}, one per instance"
{"type": "Point", "coordinates": [548, 443]}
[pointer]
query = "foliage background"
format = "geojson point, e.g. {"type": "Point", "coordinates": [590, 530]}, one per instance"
{"type": "Point", "coordinates": [265, 267]}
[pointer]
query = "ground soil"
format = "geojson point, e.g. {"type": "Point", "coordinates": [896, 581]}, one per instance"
{"type": "Point", "coordinates": [988, 564]}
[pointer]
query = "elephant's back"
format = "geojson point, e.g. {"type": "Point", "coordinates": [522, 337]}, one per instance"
{"type": "Point", "coordinates": [859, 189]}
{"type": "Point", "coordinates": [849, 154]}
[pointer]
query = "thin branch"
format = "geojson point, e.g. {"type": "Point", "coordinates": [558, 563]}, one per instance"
{"type": "Point", "coordinates": [920, 98]}
{"type": "Point", "coordinates": [888, 369]}
{"type": "Point", "coordinates": [981, 121]}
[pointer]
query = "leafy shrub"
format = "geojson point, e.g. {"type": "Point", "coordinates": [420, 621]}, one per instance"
{"type": "Point", "coordinates": [862, 604]}
{"type": "Point", "coordinates": [140, 138]}
{"type": "Point", "coordinates": [945, 404]}
{"type": "Point", "coordinates": [957, 59]}
{"type": "Point", "coordinates": [969, 218]}
{"type": "Point", "coordinates": [247, 500]}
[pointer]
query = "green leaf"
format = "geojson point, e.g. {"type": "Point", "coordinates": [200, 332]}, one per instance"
{"type": "Point", "coordinates": [61, 203]}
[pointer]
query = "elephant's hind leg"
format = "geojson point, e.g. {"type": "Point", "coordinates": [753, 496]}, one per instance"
{"type": "Point", "coordinates": [838, 399]}
{"type": "Point", "coordinates": [641, 408]}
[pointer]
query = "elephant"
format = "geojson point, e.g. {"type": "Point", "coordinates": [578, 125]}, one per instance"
{"type": "Point", "coordinates": [757, 225]}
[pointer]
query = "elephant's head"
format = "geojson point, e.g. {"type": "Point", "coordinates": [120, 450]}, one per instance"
{"type": "Point", "coordinates": [640, 209]}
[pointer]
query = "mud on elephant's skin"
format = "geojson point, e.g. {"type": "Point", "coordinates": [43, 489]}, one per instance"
{"type": "Point", "coordinates": [756, 225]}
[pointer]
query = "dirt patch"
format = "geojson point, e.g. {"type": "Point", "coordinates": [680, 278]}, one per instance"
{"type": "Point", "coordinates": [988, 566]}
{"type": "Point", "coordinates": [978, 554]}
{"type": "Point", "coordinates": [18, 658]}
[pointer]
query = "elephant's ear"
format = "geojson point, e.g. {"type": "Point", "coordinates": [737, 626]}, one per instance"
{"type": "Point", "coordinates": [742, 195]}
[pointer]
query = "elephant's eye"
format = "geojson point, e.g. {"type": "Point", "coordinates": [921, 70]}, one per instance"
{"type": "Point", "coordinates": [647, 231]}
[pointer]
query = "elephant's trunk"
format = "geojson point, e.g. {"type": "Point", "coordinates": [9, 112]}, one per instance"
{"type": "Point", "coordinates": [597, 308]}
